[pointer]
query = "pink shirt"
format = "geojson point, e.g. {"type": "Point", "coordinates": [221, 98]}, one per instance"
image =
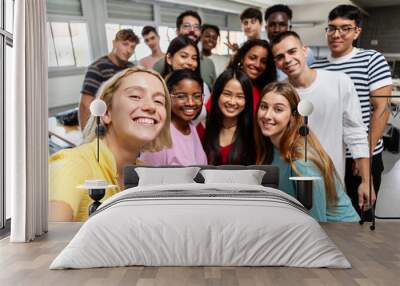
{"type": "Point", "coordinates": [186, 150]}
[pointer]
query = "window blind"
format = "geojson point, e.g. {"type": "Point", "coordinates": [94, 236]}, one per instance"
{"type": "Point", "coordinates": [168, 13]}
{"type": "Point", "coordinates": [215, 18]}
{"type": "Point", "coordinates": [64, 7]}
{"type": "Point", "coordinates": [130, 10]}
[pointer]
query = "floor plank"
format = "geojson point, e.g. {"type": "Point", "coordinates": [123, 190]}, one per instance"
{"type": "Point", "coordinates": [374, 255]}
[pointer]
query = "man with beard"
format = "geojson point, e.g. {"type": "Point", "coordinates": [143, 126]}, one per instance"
{"type": "Point", "coordinates": [189, 23]}
{"type": "Point", "coordinates": [105, 67]}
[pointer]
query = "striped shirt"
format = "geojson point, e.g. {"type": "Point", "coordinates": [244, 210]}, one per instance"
{"type": "Point", "coordinates": [98, 72]}
{"type": "Point", "coordinates": [368, 70]}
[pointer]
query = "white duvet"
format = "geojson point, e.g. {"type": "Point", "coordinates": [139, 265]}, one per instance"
{"type": "Point", "coordinates": [237, 228]}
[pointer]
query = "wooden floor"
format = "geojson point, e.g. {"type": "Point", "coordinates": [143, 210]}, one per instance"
{"type": "Point", "coordinates": [374, 255]}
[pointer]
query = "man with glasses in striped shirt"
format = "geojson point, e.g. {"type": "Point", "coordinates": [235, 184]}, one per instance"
{"type": "Point", "coordinates": [370, 74]}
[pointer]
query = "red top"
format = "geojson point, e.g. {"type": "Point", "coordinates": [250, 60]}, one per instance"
{"type": "Point", "coordinates": [200, 131]}
{"type": "Point", "coordinates": [224, 152]}
{"type": "Point", "coordinates": [256, 98]}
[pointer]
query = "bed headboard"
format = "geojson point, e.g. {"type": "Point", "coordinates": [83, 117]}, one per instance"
{"type": "Point", "coordinates": [270, 179]}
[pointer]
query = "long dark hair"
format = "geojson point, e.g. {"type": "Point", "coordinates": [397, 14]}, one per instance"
{"type": "Point", "coordinates": [269, 75]}
{"type": "Point", "coordinates": [176, 45]}
{"type": "Point", "coordinates": [242, 152]}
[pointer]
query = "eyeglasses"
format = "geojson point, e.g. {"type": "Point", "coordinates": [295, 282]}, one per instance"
{"type": "Point", "coordinates": [197, 97]}
{"type": "Point", "coordinates": [331, 30]}
{"type": "Point", "coordinates": [188, 26]}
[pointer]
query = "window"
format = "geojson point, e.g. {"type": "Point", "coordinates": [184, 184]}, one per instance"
{"type": "Point", "coordinates": [141, 50]}
{"type": "Point", "coordinates": [9, 10]}
{"type": "Point", "coordinates": [126, 9]}
{"type": "Point", "coordinates": [6, 43]}
{"type": "Point", "coordinates": [68, 44]}
{"type": "Point", "coordinates": [233, 36]}
{"type": "Point", "coordinates": [222, 48]}
{"type": "Point", "coordinates": [166, 36]}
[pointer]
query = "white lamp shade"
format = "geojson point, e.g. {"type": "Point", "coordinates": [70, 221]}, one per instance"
{"type": "Point", "coordinates": [305, 107]}
{"type": "Point", "coordinates": [98, 107]}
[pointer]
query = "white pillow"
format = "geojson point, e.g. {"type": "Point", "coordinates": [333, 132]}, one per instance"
{"type": "Point", "coordinates": [163, 176]}
{"type": "Point", "coordinates": [248, 177]}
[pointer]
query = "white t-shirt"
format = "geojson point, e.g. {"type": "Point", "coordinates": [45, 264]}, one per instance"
{"type": "Point", "coordinates": [336, 119]}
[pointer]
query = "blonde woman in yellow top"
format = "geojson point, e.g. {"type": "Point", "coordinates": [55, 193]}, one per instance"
{"type": "Point", "coordinates": [137, 119]}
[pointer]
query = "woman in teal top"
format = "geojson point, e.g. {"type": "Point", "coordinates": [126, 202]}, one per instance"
{"type": "Point", "coordinates": [279, 143]}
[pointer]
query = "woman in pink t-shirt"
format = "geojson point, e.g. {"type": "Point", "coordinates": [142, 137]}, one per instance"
{"type": "Point", "coordinates": [186, 90]}
{"type": "Point", "coordinates": [228, 138]}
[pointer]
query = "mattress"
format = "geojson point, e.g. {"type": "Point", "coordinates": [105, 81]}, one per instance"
{"type": "Point", "coordinates": [201, 225]}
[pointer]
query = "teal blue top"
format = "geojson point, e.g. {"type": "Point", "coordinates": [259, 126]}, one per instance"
{"type": "Point", "coordinates": [343, 210]}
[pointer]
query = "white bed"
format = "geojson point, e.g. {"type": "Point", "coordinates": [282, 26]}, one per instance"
{"type": "Point", "coordinates": [201, 224]}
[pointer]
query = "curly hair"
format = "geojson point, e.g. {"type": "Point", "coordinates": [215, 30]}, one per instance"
{"type": "Point", "coordinates": [269, 75]}
{"type": "Point", "coordinates": [278, 8]}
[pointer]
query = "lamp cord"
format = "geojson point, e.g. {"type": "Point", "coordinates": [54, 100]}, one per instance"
{"type": "Point", "coordinates": [98, 137]}
{"type": "Point", "coordinates": [305, 137]}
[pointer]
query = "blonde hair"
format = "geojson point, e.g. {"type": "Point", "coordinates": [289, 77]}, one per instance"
{"type": "Point", "coordinates": [292, 143]}
{"type": "Point", "coordinates": [106, 93]}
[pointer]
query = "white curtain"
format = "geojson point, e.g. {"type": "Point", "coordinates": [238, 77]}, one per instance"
{"type": "Point", "coordinates": [26, 123]}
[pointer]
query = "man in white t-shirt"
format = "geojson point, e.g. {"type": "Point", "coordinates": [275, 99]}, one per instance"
{"type": "Point", "coordinates": [336, 119]}
{"type": "Point", "coordinates": [370, 74]}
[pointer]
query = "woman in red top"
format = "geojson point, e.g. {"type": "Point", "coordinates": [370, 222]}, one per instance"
{"type": "Point", "coordinates": [256, 60]}
{"type": "Point", "coordinates": [228, 138]}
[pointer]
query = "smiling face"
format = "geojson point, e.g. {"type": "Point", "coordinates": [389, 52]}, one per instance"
{"type": "Point", "coordinates": [290, 56]}
{"type": "Point", "coordinates": [252, 28]}
{"type": "Point", "coordinates": [137, 112]}
{"type": "Point", "coordinates": [184, 58]}
{"type": "Point", "coordinates": [255, 62]}
{"type": "Point", "coordinates": [209, 39]}
{"type": "Point", "coordinates": [273, 116]}
{"type": "Point", "coordinates": [232, 99]}
{"type": "Point", "coordinates": [191, 27]}
{"type": "Point", "coordinates": [123, 50]}
{"type": "Point", "coordinates": [187, 100]}
{"type": "Point", "coordinates": [341, 42]}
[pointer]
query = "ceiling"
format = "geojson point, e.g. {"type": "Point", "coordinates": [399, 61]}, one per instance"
{"type": "Point", "coordinates": [237, 6]}
{"type": "Point", "coordinates": [265, 3]}
{"type": "Point", "coordinates": [375, 3]}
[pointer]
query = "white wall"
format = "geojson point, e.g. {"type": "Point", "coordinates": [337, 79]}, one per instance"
{"type": "Point", "coordinates": [65, 90]}
{"type": "Point", "coordinates": [314, 36]}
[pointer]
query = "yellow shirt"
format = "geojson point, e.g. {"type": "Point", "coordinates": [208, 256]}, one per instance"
{"type": "Point", "coordinates": [71, 167]}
